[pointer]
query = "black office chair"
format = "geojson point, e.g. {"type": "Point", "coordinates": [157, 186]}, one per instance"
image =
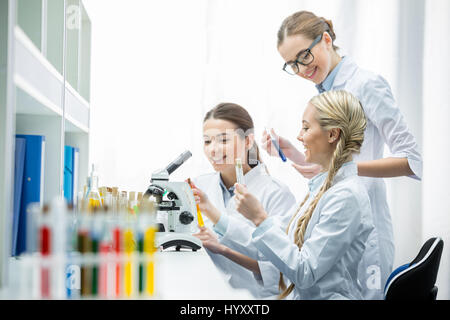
{"type": "Point", "coordinates": [416, 280]}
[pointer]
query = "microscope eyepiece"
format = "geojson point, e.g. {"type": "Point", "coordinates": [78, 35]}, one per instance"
{"type": "Point", "coordinates": [174, 165]}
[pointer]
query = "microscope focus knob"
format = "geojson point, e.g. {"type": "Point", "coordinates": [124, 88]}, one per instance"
{"type": "Point", "coordinates": [172, 196]}
{"type": "Point", "coordinates": [154, 190]}
{"type": "Point", "coordinates": [186, 217]}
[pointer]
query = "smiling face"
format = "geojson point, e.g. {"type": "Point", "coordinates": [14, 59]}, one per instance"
{"type": "Point", "coordinates": [323, 52]}
{"type": "Point", "coordinates": [319, 143]}
{"type": "Point", "coordinates": [222, 144]}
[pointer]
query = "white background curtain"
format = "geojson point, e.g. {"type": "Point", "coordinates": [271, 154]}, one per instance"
{"type": "Point", "coordinates": [159, 66]}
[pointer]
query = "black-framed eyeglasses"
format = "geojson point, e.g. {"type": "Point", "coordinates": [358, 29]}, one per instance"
{"type": "Point", "coordinates": [304, 58]}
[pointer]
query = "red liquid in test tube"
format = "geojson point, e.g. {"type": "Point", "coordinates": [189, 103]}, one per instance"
{"type": "Point", "coordinates": [117, 248]}
{"type": "Point", "coordinates": [45, 235]}
{"type": "Point", "coordinates": [103, 279]}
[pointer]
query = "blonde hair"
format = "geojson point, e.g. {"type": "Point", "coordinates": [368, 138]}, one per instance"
{"type": "Point", "coordinates": [335, 109]}
{"type": "Point", "coordinates": [305, 23]}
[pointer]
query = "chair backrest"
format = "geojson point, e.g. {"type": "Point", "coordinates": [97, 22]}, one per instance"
{"type": "Point", "coordinates": [417, 279]}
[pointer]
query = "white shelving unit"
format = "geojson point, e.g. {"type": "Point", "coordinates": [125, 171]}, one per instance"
{"type": "Point", "coordinates": [45, 90]}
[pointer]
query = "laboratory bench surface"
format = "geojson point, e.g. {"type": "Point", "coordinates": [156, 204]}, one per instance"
{"type": "Point", "coordinates": [193, 275]}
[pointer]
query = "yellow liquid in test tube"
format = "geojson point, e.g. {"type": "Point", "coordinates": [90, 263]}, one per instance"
{"type": "Point", "coordinates": [239, 171]}
{"type": "Point", "coordinates": [199, 217]}
{"type": "Point", "coordinates": [94, 203]}
{"type": "Point", "coordinates": [149, 249]}
{"type": "Point", "coordinates": [128, 274]}
{"type": "Point", "coordinates": [199, 213]}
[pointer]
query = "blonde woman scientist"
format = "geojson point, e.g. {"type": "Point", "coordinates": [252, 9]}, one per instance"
{"type": "Point", "coordinates": [228, 134]}
{"type": "Point", "coordinates": [317, 256]}
{"type": "Point", "coordinates": [306, 43]}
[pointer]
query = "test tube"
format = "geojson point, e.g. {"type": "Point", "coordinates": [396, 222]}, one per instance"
{"type": "Point", "coordinates": [132, 202]}
{"type": "Point", "coordinates": [148, 248]}
{"type": "Point", "coordinates": [139, 198]}
{"type": "Point", "coordinates": [199, 213]}
{"type": "Point", "coordinates": [59, 246]}
{"type": "Point", "coordinates": [45, 242]}
{"type": "Point", "coordinates": [128, 268]}
{"type": "Point", "coordinates": [276, 145]}
{"type": "Point", "coordinates": [105, 267]}
{"type": "Point", "coordinates": [95, 234]}
{"type": "Point", "coordinates": [84, 248]}
{"type": "Point", "coordinates": [117, 248]}
{"type": "Point", "coordinates": [239, 171]}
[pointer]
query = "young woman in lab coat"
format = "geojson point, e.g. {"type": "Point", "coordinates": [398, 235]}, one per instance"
{"type": "Point", "coordinates": [306, 43]}
{"type": "Point", "coordinates": [228, 134]}
{"type": "Point", "coordinates": [319, 252]}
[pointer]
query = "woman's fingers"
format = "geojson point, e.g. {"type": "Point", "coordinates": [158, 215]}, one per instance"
{"type": "Point", "coordinates": [274, 134]}
{"type": "Point", "coordinates": [266, 142]}
{"type": "Point", "coordinates": [201, 236]}
{"type": "Point", "coordinates": [240, 188]}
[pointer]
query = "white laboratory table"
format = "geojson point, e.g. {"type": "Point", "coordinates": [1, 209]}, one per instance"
{"type": "Point", "coordinates": [192, 275]}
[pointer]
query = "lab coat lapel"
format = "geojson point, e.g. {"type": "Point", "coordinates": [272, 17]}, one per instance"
{"type": "Point", "coordinates": [347, 71]}
{"type": "Point", "coordinates": [216, 193]}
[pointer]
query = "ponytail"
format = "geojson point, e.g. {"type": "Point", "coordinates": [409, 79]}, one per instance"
{"type": "Point", "coordinates": [307, 24]}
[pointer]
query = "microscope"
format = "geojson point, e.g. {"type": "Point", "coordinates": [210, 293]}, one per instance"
{"type": "Point", "coordinates": [174, 198]}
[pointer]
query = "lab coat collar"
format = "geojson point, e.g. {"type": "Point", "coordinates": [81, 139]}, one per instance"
{"type": "Point", "coordinates": [316, 182]}
{"type": "Point", "coordinates": [215, 192]}
{"type": "Point", "coordinates": [348, 169]}
{"type": "Point", "coordinates": [259, 170]}
{"type": "Point", "coordinates": [327, 84]}
{"type": "Point", "coordinates": [347, 69]}
{"type": "Point", "coordinates": [224, 188]}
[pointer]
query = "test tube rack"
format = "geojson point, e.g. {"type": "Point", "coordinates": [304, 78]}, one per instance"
{"type": "Point", "coordinates": [88, 253]}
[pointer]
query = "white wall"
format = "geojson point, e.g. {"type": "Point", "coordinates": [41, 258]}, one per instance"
{"type": "Point", "coordinates": [436, 116]}
{"type": "Point", "coordinates": [158, 66]}
{"type": "Point", "coordinates": [404, 194]}
{"type": "Point", "coordinates": [147, 81]}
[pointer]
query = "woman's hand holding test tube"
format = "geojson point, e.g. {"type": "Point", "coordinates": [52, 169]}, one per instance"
{"type": "Point", "coordinates": [199, 212]}
{"type": "Point", "coordinates": [209, 240]}
{"type": "Point", "coordinates": [290, 151]}
{"type": "Point", "coordinates": [285, 145]}
{"type": "Point", "coordinates": [248, 205]}
{"type": "Point", "coordinates": [205, 205]}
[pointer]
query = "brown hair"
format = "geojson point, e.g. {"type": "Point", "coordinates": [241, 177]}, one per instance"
{"type": "Point", "coordinates": [240, 117]}
{"type": "Point", "coordinates": [307, 24]}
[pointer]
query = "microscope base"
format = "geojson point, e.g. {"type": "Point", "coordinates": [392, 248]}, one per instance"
{"type": "Point", "coordinates": [177, 240]}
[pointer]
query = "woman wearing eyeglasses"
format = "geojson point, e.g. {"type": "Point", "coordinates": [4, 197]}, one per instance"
{"type": "Point", "coordinates": [306, 43]}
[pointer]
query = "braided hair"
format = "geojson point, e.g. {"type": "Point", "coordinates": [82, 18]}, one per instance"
{"type": "Point", "coordinates": [335, 109]}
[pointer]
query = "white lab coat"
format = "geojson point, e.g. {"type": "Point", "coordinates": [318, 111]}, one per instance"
{"type": "Point", "coordinates": [335, 239]}
{"type": "Point", "coordinates": [386, 125]}
{"type": "Point", "coordinates": [275, 198]}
